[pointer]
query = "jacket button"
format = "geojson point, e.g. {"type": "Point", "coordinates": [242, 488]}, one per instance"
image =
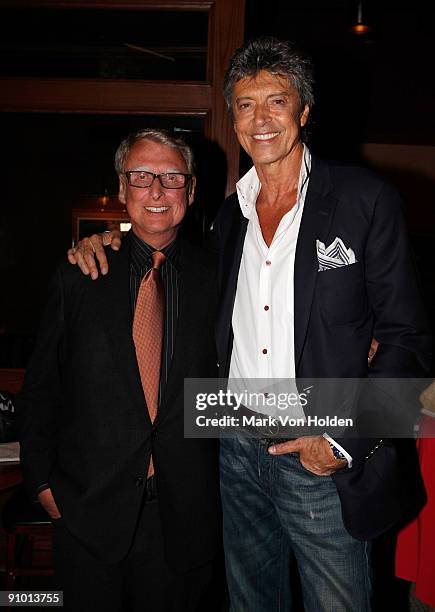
{"type": "Point", "coordinates": [139, 481]}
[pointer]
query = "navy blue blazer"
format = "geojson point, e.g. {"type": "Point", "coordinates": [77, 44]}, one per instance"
{"type": "Point", "coordinates": [337, 313]}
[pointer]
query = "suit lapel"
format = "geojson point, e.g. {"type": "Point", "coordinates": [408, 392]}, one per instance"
{"type": "Point", "coordinates": [229, 272]}
{"type": "Point", "coordinates": [113, 294]}
{"type": "Point", "coordinates": [190, 279]}
{"type": "Point", "coordinates": [316, 220]}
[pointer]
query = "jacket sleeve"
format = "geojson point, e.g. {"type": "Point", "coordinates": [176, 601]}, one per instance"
{"type": "Point", "coordinates": [400, 324]}
{"type": "Point", "coordinates": [40, 401]}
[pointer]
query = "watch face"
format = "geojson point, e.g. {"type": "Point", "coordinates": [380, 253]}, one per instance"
{"type": "Point", "coordinates": [337, 453]}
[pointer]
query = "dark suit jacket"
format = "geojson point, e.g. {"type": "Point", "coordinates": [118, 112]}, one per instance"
{"type": "Point", "coordinates": [85, 427]}
{"type": "Point", "coordinates": [338, 312]}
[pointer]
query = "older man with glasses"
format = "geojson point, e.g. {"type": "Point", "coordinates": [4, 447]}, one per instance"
{"type": "Point", "coordinates": [135, 506]}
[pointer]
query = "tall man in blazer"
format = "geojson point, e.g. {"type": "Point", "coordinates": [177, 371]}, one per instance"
{"type": "Point", "coordinates": [130, 532]}
{"type": "Point", "coordinates": [314, 263]}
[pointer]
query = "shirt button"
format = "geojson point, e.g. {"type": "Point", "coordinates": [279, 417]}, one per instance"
{"type": "Point", "coordinates": [264, 351]}
{"type": "Point", "coordinates": [268, 263]}
{"type": "Point", "coordinates": [266, 307]}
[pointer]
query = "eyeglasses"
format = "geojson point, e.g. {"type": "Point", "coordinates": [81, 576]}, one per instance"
{"type": "Point", "coordinates": [168, 180]}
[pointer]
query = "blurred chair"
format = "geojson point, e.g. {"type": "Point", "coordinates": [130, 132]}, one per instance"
{"type": "Point", "coordinates": [23, 521]}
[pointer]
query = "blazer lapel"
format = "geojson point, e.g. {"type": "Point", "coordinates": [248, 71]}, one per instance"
{"type": "Point", "coordinates": [316, 220]}
{"type": "Point", "coordinates": [229, 273]}
{"type": "Point", "coordinates": [190, 279]}
{"type": "Point", "coordinates": [113, 294]}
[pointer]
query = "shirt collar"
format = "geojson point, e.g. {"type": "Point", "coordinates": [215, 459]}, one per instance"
{"type": "Point", "coordinates": [249, 186]}
{"type": "Point", "coordinates": [141, 253]}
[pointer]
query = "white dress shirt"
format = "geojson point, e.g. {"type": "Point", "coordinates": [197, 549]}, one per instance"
{"type": "Point", "coordinates": [263, 315]}
{"type": "Point", "coordinates": [263, 325]}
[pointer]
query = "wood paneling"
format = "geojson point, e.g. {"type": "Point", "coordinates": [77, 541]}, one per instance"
{"type": "Point", "coordinates": [101, 96]}
{"type": "Point", "coordinates": [226, 27]}
{"type": "Point", "coordinates": [225, 35]}
{"type": "Point", "coordinates": [147, 5]}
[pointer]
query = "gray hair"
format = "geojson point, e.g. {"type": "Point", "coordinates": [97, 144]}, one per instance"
{"type": "Point", "coordinates": [277, 57]}
{"type": "Point", "coordinates": [159, 136]}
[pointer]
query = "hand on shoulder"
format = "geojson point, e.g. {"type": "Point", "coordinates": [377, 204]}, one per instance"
{"type": "Point", "coordinates": [91, 249]}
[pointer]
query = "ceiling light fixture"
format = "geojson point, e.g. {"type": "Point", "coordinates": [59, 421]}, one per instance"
{"type": "Point", "coordinates": [360, 27]}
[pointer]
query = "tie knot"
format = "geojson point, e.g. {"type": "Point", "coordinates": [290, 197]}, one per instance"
{"type": "Point", "coordinates": [158, 259]}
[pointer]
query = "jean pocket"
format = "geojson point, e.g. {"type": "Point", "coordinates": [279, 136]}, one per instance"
{"type": "Point", "coordinates": [305, 471]}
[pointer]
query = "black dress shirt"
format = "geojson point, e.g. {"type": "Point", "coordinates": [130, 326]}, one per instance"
{"type": "Point", "coordinates": [141, 262]}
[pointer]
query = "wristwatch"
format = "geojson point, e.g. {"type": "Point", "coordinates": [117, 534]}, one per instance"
{"type": "Point", "coordinates": [337, 452]}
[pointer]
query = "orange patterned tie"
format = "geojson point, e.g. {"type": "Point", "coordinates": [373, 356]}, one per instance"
{"type": "Point", "coordinates": [148, 327]}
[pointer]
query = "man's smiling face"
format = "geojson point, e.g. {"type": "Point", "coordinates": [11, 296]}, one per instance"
{"type": "Point", "coordinates": [155, 212]}
{"type": "Point", "coordinates": [267, 117]}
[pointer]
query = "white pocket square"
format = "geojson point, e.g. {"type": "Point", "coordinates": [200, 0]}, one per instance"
{"type": "Point", "coordinates": [334, 256]}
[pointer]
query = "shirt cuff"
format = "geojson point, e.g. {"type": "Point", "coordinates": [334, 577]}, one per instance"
{"type": "Point", "coordinates": [340, 448]}
{"type": "Point", "coordinates": [41, 488]}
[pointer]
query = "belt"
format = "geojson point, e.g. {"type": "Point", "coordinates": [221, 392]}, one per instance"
{"type": "Point", "coordinates": [269, 433]}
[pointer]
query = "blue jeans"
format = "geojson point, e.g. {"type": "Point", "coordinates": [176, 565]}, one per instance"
{"type": "Point", "coordinates": [273, 508]}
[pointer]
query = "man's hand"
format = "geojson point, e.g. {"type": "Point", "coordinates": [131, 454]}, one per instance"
{"type": "Point", "coordinates": [372, 351]}
{"type": "Point", "coordinates": [88, 249]}
{"type": "Point", "coordinates": [46, 500]}
{"type": "Point", "coordinates": [315, 454]}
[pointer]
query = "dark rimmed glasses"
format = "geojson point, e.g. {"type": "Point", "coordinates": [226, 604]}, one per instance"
{"type": "Point", "coordinates": [168, 180]}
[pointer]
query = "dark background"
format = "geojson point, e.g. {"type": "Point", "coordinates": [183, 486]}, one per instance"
{"type": "Point", "coordinates": [376, 88]}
